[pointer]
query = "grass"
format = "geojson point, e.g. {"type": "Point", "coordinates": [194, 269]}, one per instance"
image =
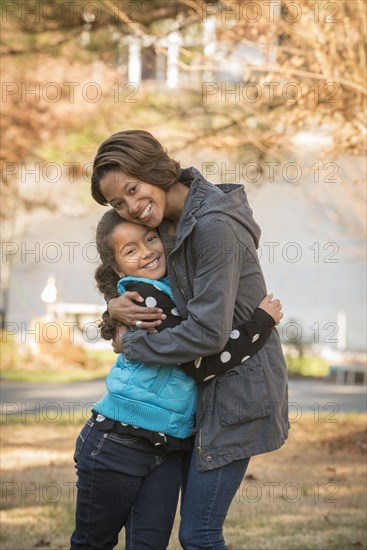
{"type": "Point", "coordinates": [307, 366]}
{"type": "Point", "coordinates": [69, 374]}
{"type": "Point", "coordinates": [68, 364]}
{"type": "Point", "coordinates": [308, 495]}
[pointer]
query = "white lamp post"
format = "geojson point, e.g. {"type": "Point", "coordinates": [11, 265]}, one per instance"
{"type": "Point", "coordinates": [49, 296]}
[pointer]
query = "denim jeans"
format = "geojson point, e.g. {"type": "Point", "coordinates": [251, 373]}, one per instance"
{"type": "Point", "coordinates": [123, 481]}
{"type": "Point", "coordinates": [206, 497]}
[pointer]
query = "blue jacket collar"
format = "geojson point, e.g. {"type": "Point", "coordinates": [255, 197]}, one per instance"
{"type": "Point", "coordinates": [161, 284]}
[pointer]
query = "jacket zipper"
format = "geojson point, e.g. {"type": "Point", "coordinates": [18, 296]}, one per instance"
{"type": "Point", "coordinates": [178, 280]}
{"type": "Point", "coordinates": [200, 449]}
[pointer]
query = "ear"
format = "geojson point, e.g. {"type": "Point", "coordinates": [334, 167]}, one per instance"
{"type": "Point", "coordinates": [119, 273]}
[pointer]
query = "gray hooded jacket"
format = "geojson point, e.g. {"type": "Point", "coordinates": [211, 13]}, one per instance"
{"type": "Point", "coordinates": [217, 283]}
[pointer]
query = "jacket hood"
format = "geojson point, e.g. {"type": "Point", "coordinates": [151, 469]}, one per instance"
{"type": "Point", "coordinates": [205, 198]}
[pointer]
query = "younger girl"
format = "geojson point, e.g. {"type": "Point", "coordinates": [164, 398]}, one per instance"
{"type": "Point", "coordinates": [129, 455]}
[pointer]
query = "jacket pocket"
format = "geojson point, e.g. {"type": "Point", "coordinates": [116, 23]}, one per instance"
{"type": "Point", "coordinates": [242, 395]}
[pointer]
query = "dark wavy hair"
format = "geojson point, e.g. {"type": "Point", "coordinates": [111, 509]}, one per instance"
{"type": "Point", "coordinates": [105, 274]}
{"type": "Point", "coordinates": [139, 155]}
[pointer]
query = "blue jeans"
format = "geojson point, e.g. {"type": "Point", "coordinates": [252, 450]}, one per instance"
{"type": "Point", "coordinates": [206, 497]}
{"type": "Point", "coordinates": [123, 481]}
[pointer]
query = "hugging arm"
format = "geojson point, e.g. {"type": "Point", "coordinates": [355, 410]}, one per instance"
{"type": "Point", "coordinates": [243, 342]}
{"type": "Point", "coordinates": [209, 310]}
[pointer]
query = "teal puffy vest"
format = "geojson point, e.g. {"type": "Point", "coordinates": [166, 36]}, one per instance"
{"type": "Point", "coordinates": [160, 398]}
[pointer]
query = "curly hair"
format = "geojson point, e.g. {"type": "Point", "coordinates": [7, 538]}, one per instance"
{"type": "Point", "coordinates": [139, 155]}
{"type": "Point", "coordinates": [105, 274]}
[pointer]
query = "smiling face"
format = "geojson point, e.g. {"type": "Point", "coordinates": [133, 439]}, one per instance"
{"type": "Point", "coordinates": [134, 200]}
{"type": "Point", "coordinates": [138, 251]}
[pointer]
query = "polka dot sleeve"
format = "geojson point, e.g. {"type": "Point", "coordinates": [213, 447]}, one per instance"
{"type": "Point", "coordinates": [154, 297]}
{"type": "Point", "coordinates": [243, 342]}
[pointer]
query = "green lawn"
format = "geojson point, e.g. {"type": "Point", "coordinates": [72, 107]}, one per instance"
{"type": "Point", "coordinates": [96, 364]}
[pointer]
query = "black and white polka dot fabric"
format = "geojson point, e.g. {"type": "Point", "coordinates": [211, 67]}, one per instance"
{"type": "Point", "coordinates": [243, 341]}
{"type": "Point", "coordinates": [150, 301]}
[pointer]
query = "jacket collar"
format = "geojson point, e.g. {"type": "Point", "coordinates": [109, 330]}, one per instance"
{"type": "Point", "coordinates": [204, 198]}
{"type": "Point", "coordinates": [195, 197]}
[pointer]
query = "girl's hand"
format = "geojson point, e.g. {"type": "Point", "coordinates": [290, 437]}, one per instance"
{"type": "Point", "coordinates": [272, 307]}
{"type": "Point", "coordinates": [124, 310]}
